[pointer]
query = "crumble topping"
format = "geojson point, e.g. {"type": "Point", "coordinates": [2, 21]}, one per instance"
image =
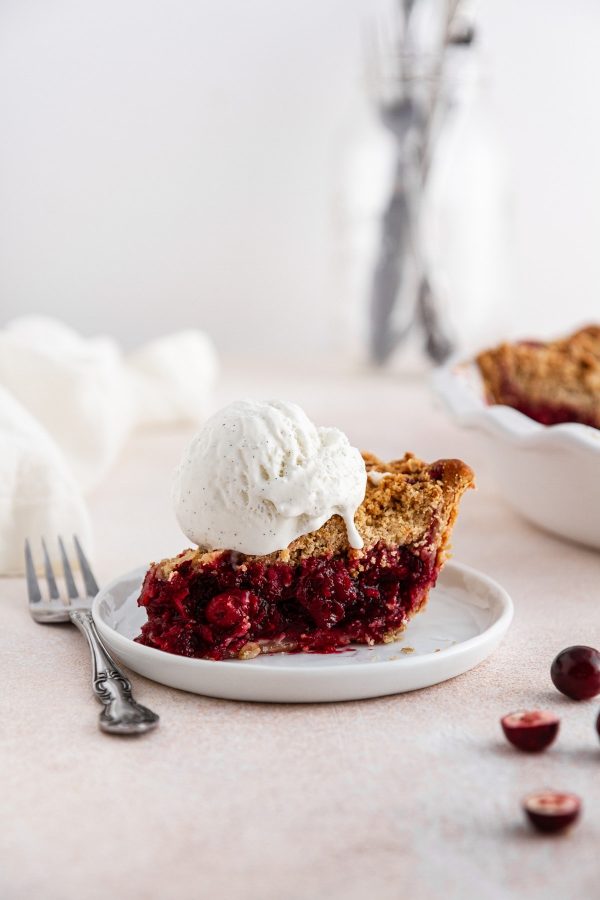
{"type": "Point", "coordinates": [396, 511]}
{"type": "Point", "coordinates": [557, 381]}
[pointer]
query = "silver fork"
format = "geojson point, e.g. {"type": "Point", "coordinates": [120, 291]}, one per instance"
{"type": "Point", "coordinates": [121, 713]}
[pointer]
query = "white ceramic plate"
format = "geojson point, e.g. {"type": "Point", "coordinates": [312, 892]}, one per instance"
{"type": "Point", "coordinates": [463, 623]}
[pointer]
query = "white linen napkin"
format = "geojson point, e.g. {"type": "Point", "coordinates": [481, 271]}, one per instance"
{"type": "Point", "coordinates": [67, 404]}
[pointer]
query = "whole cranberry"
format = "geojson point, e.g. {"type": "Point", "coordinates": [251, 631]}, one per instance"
{"type": "Point", "coordinates": [230, 609]}
{"type": "Point", "coordinates": [530, 730]}
{"type": "Point", "coordinates": [552, 811]}
{"type": "Point", "coordinates": [576, 672]}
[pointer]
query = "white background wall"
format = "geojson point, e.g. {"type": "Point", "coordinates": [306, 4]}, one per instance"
{"type": "Point", "coordinates": [175, 162]}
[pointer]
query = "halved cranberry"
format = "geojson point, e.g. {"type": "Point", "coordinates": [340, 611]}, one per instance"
{"type": "Point", "coordinates": [576, 672]}
{"type": "Point", "coordinates": [552, 811]}
{"type": "Point", "coordinates": [530, 730]}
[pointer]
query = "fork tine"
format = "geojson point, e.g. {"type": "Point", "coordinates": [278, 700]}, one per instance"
{"type": "Point", "coordinates": [33, 588]}
{"type": "Point", "coordinates": [52, 586]}
{"type": "Point", "coordinates": [69, 580]}
{"type": "Point", "coordinates": [90, 582]}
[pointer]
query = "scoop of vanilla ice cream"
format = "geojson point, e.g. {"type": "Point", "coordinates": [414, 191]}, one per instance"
{"type": "Point", "coordinates": [259, 474]}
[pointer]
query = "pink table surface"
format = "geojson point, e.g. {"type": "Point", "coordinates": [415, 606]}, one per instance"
{"type": "Point", "coordinates": [415, 795]}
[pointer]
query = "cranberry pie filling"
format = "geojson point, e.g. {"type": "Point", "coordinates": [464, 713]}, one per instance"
{"type": "Point", "coordinates": [545, 412]}
{"type": "Point", "coordinates": [230, 609]}
{"type": "Point", "coordinates": [319, 594]}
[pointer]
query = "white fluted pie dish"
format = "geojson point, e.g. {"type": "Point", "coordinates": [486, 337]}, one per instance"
{"type": "Point", "coordinates": [548, 473]}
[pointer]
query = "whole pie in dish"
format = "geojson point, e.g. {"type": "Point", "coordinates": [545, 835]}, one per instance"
{"type": "Point", "coordinates": [319, 594]}
{"type": "Point", "coordinates": [550, 382]}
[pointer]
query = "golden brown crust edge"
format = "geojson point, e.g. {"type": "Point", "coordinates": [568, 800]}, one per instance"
{"type": "Point", "coordinates": [398, 510]}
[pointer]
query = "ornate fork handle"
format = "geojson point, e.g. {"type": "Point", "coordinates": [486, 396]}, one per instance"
{"type": "Point", "coordinates": [121, 713]}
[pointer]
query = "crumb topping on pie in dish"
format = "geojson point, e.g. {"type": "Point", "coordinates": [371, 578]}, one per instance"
{"type": "Point", "coordinates": [552, 382]}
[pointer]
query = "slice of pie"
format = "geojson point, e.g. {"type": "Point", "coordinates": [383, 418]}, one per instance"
{"type": "Point", "coordinates": [318, 594]}
{"type": "Point", "coordinates": [553, 382]}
